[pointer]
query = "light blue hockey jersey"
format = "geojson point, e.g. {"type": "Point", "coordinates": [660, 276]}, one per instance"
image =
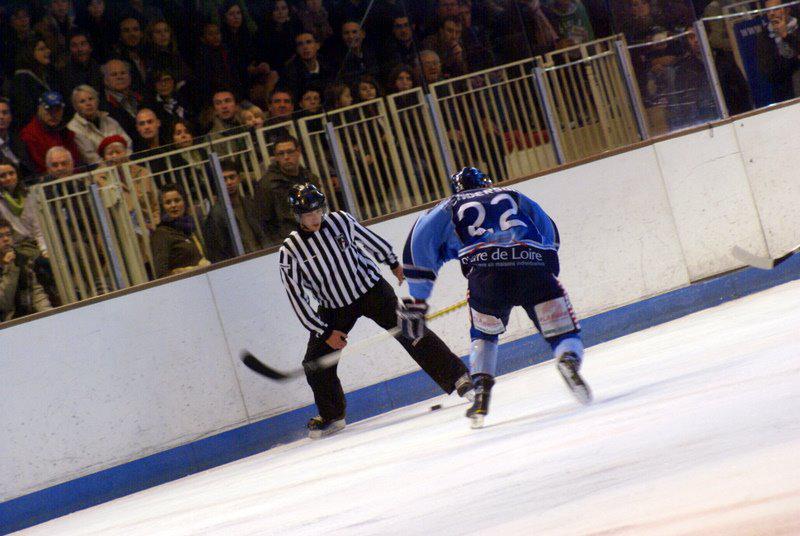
{"type": "Point", "coordinates": [486, 228]}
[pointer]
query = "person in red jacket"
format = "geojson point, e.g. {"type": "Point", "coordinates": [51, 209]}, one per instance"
{"type": "Point", "coordinates": [47, 129]}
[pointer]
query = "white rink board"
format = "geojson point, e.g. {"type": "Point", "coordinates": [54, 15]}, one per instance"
{"type": "Point", "coordinates": [694, 430]}
{"type": "Point", "coordinates": [161, 366]}
{"type": "Point", "coordinates": [711, 199]}
{"type": "Point", "coordinates": [127, 378]}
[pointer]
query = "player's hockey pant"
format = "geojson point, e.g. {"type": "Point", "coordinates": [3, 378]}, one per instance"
{"type": "Point", "coordinates": [378, 304]}
{"type": "Point", "coordinates": [493, 292]}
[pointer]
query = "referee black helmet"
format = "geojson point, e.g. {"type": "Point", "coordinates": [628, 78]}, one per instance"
{"type": "Point", "coordinates": [306, 198]}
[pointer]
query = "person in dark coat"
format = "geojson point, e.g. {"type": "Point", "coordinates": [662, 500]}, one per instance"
{"type": "Point", "coordinates": [175, 243]}
{"type": "Point", "coordinates": [34, 76]}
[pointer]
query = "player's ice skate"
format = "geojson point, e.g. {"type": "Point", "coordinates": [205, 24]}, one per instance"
{"type": "Point", "coordinates": [480, 407]}
{"type": "Point", "coordinates": [568, 365]}
{"type": "Point", "coordinates": [319, 427]}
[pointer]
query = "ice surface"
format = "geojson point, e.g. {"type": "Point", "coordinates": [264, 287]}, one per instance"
{"type": "Point", "coordinates": [695, 430]}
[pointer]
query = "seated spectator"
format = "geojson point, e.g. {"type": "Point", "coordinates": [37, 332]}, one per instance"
{"type": "Point", "coordinates": [161, 53]}
{"type": "Point", "coordinates": [121, 100]}
{"type": "Point", "coordinates": [400, 48]}
{"type": "Point", "coordinates": [640, 19]}
{"type": "Point", "coordinates": [148, 130]}
{"type": "Point", "coordinates": [19, 208]}
{"type": "Point", "coordinates": [176, 245]}
{"type": "Point", "coordinates": [12, 148]}
{"type": "Point", "coordinates": [55, 27]}
{"type": "Point", "coordinates": [357, 59]}
{"type": "Point", "coordinates": [446, 42]}
{"type": "Point", "coordinates": [251, 116]}
{"type": "Point", "coordinates": [214, 65]}
{"type": "Point", "coordinates": [275, 215]}
{"type": "Point", "coordinates": [570, 21]}
{"type": "Point", "coordinates": [401, 78]}
{"type": "Point", "coordinates": [80, 69]}
{"type": "Point", "coordinates": [183, 138]}
{"type": "Point", "coordinates": [777, 50]}
{"type": "Point", "coordinates": [306, 67]}
{"type": "Point", "coordinates": [91, 125]}
{"type": "Point", "coordinates": [281, 106]}
{"type": "Point", "coordinates": [314, 18]}
{"type": "Point", "coordinates": [96, 20]}
{"type": "Point", "coordinates": [115, 152]}
{"type": "Point", "coordinates": [522, 30]}
{"type": "Point", "coordinates": [338, 95]}
{"type": "Point", "coordinates": [166, 101]}
{"type": "Point", "coordinates": [60, 163]}
{"type": "Point", "coordinates": [430, 67]}
{"type": "Point", "coordinates": [225, 109]}
{"type": "Point", "coordinates": [20, 291]}
{"type": "Point", "coordinates": [47, 129]}
{"type": "Point", "coordinates": [311, 102]}
{"type": "Point", "coordinates": [34, 76]}
{"type": "Point", "coordinates": [130, 49]}
{"type": "Point", "coordinates": [368, 88]}
{"type": "Point", "coordinates": [14, 37]}
{"type": "Point", "coordinates": [216, 231]}
{"type": "Point", "coordinates": [275, 41]}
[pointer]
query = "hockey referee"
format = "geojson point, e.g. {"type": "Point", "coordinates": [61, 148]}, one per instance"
{"type": "Point", "coordinates": [326, 258]}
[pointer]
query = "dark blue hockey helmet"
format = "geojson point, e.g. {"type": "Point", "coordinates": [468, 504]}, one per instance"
{"type": "Point", "coordinates": [469, 178]}
{"type": "Point", "coordinates": [306, 198]}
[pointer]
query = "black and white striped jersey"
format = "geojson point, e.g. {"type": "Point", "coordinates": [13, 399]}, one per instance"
{"type": "Point", "coordinates": [331, 265]}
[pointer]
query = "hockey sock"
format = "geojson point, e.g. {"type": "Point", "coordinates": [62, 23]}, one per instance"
{"type": "Point", "coordinates": [483, 357]}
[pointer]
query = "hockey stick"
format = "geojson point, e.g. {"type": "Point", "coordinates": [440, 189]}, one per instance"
{"type": "Point", "coordinates": [763, 263]}
{"type": "Point", "coordinates": [259, 367]}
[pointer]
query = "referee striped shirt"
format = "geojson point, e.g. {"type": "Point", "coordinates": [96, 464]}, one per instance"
{"type": "Point", "coordinates": [331, 265]}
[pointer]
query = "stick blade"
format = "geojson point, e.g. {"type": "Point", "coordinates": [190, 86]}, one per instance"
{"type": "Point", "coordinates": [251, 362]}
{"type": "Point", "coordinates": [762, 263]}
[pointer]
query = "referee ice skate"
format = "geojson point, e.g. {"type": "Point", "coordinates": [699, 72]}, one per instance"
{"type": "Point", "coordinates": [326, 258]}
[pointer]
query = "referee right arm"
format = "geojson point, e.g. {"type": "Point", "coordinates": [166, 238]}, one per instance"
{"type": "Point", "coordinates": [292, 282]}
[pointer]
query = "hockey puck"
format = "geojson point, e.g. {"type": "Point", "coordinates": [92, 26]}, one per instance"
{"type": "Point", "coordinates": [435, 407]}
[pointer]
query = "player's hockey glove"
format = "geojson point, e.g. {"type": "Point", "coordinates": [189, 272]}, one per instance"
{"type": "Point", "coordinates": [411, 318]}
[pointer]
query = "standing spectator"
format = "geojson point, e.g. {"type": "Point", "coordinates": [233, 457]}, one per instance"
{"type": "Point", "coordinates": [401, 78]}
{"type": "Point", "coordinates": [401, 48]}
{"type": "Point", "coordinates": [733, 83]}
{"type": "Point", "coordinates": [240, 42]}
{"type": "Point", "coordinates": [12, 148]}
{"type": "Point", "coordinates": [357, 59]}
{"type": "Point", "coordinates": [430, 67]}
{"type": "Point", "coordinates": [219, 245]}
{"type": "Point", "coordinates": [144, 11]}
{"type": "Point", "coordinates": [570, 21]}
{"type": "Point", "coordinates": [306, 67]}
{"type": "Point", "coordinates": [120, 98]}
{"type": "Point", "coordinates": [251, 116]}
{"type": "Point", "coordinates": [176, 245]}
{"type": "Point", "coordinates": [315, 20]}
{"type": "Point", "coordinates": [59, 163]}
{"type": "Point", "coordinates": [368, 89]}
{"type": "Point", "coordinates": [523, 30]}
{"type": "Point", "coordinates": [276, 38]}
{"type": "Point", "coordinates": [166, 101]}
{"type": "Point", "coordinates": [91, 125]}
{"type": "Point", "coordinates": [81, 68]}
{"type": "Point", "coordinates": [96, 21]}
{"type": "Point", "coordinates": [129, 49]}
{"type": "Point", "coordinates": [778, 50]}
{"type": "Point", "coordinates": [161, 52]}
{"type": "Point", "coordinates": [446, 42]}
{"type": "Point", "coordinates": [47, 129]}
{"type": "Point", "coordinates": [225, 109]}
{"type": "Point", "coordinates": [281, 106]}
{"type": "Point", "coordinates": [691, 100]}
{"type": "Point", "coordinates": [34, 76]}
{"type": "Point", "coordinates": [148, 130]}
{"type": "Point", "coordinates": [55, 27]}
{"type": "Point", "coordinates": [311, 102]}
{"type": "Point", "coordinates": [14, 37]}
{"type": "Point", "coordinates": [475, 37]}
{"type": "Point", "coordinates": [20, 291]}
{"type": "Point", "coordinates": [271, 192]}
{"type": "Point", "coordinates": [183, 138]}
{"type": "Point", "coordinates": [214, 65]}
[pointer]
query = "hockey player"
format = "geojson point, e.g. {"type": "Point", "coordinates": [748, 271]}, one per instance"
{"type": "Point", "coordinates": [326, 258]}
{"type": "Point", "coordinates": [508, 249]}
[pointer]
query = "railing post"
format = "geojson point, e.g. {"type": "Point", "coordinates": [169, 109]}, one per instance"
{"type": "Point", "coordinates": [549, 114]}
{"type": "Point", "coordinates": [233, 227]}
{"type": "Point", "coordinates": [344, 178]}
{"type": "Point", "coordinates": [711, 68]}
{"type": "Point", "coordinates": [441, 134]}
{"type": "Point", "coordinates": [108, 242]}
{"type": "Point", "coordinates": [633, 89]}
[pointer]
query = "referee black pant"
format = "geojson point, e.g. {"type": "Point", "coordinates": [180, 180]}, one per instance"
{"type": "Point", "coordinates": [378, 304]}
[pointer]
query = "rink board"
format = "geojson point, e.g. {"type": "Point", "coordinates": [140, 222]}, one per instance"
{"type": "Point", "coordinates": [251, 439]}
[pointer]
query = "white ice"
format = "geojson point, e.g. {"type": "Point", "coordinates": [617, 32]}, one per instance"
{"type": "Point", "coordinates": [695, 430]}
